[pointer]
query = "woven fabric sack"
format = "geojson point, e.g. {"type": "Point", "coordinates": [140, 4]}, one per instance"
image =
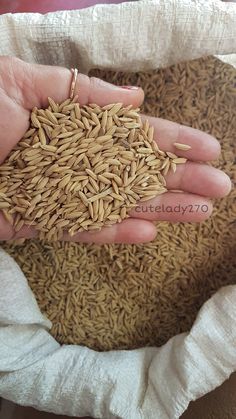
{"type": "Point", "coordinates": [145, 383]}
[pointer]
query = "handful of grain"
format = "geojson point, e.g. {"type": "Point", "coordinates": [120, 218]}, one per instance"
{"type": "Point", "coordinates": [81, 168]}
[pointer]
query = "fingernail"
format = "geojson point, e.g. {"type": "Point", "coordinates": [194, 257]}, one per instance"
{"type": "Point", "coordinates": [130, 87]}
{"type": "Point", "coordinates": [104, 84]}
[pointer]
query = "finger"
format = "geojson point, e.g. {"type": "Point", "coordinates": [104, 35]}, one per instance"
{"type": "Point", "coordinates": [41, 81]}
{"type": "Point", "coordinates": [7, 232]}
{"type": "Point", "coordinates": [29, 85]}
{"type": "Point", "coordinates": [13, 124]}
{"type": "Point", "coordinates": [129, 231]}
{"type": "Point", "coordinates": [203, 146]}
{"type": "Point", "coordinates": [174, 207]}
{"type": "Point", "coordinates": [199, 179]}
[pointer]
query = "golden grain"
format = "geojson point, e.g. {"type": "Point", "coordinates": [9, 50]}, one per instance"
{"type": "Point", "coordinates": [181, 146]}
{"type": "Point", "coordinates": [35, 121]}
{"type": "Point", "coordinates": [50, 148]}
{"type": "Point", "coordinates": [119, 294]}
{"type": "Point", "coordinates": [179, 160]}
{"type": "Point", "coordinates": [171, 155]}
{"type": "Point", "coordinates": [84, 156]}
{"type": "Point", "coordinates": [114, 110]}
{"type": "Point", "coordinates": [4, 205]}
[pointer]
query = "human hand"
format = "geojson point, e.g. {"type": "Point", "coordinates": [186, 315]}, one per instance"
{"type": "Point", "coordinates": [23, 86]}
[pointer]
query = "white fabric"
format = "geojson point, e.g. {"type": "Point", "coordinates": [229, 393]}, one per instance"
{"type": "Point", "coordinates": [135, 36]}
{"type": "Point", "coordinates": [228, 59]}
{"type": "Point", "coordinates": [147, 383]}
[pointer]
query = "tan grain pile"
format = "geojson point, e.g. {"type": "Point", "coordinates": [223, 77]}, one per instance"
{"type": "Point", "coordinates": [81, 168]}
{"type": "Point", "coordinates": [126, 296]}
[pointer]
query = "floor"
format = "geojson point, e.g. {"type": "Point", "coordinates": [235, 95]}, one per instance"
{"type": "Point", "coordinates": [9, 410]}
{"type": "Point", "coordinates": [44, 6]}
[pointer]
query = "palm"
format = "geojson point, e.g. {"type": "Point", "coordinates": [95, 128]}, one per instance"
{"type": "Point", "coordinates": [23, 86]}
{"type": "Point", "coordinates": [14, 120]}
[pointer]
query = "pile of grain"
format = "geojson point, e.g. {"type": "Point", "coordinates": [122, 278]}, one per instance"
{"type": "Point", "coordinates": [126, 296]}
{"type": "Point", "coordinates": [82, 168]}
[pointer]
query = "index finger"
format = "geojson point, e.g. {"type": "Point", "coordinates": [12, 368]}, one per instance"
{"type": "Point", "coordinates": [55, 82]}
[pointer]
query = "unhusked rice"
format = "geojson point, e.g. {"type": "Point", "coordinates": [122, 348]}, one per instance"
{"type": "Point", "coordinates": [126, 296]}
{"type": "Point", "coordinates": [81, 168]}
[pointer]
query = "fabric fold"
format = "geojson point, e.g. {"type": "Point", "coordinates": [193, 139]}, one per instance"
{"type": "Point", "coordinates": [36, 371]}
{"type": "Point", "coordinates": [131, 36]}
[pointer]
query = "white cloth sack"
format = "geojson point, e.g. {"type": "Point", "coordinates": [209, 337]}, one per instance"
{"type": "Point", "coordinates": [131, 36]}
{"type": "Point", "coordinates": [149, 383]}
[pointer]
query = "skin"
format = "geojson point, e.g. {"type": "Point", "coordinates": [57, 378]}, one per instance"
{"type": "Point", "coordinates": [23, 86]}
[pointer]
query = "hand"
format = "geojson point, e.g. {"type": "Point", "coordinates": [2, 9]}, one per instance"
{"type": "Point", "coordinates": [23, 86]}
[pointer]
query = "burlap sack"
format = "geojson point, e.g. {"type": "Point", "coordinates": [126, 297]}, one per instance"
{"type": "Point", "coordinates": [146, 383]}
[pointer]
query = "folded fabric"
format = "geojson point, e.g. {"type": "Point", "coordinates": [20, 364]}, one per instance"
{"type": "Point", "coordinates": [144, 383]}
{"type": "Point", "coordinates": [131, 36]}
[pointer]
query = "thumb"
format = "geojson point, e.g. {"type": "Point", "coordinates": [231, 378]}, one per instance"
{"type": "Point", "coordinates": [43, 81]}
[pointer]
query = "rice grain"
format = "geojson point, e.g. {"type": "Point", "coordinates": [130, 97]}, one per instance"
{"type": "Point", "coordinates": [130, 296]}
